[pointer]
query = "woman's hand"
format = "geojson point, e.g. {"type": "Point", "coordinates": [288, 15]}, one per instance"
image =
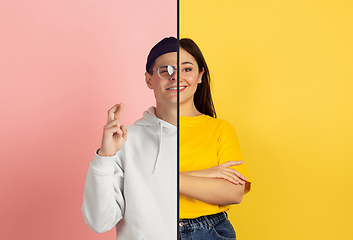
{"type": "Point", "coordinates": [222, 171]}
{"type": "Point", "coordinates": [114, 134]}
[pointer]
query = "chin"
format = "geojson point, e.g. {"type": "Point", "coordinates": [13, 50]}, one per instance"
{"type": "Point", "coordinates": [170, 102]}
{"type": "Point", "coordinates": [183, 100]}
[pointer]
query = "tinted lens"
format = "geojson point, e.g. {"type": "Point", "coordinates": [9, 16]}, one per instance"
{"type": "Point", "coordinates": [166, 72]}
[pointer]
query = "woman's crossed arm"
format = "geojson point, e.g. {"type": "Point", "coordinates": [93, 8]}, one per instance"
{"type": "Point", "coordinates": [219, 185]}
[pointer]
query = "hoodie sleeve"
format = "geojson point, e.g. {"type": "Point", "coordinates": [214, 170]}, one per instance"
{"type": "Point", "coordinates": [103, 200]}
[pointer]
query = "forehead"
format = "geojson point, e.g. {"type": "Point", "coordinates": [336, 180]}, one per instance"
{"type": "Point", "coordinates": [167, 59]}
{"type": "Point", "coordinates": [186, 57]}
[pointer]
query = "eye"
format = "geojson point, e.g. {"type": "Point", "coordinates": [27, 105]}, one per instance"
{"type": "Point", "coordinates": [187, 69]}
{"type": "Point", "coordinates": [163, 69]}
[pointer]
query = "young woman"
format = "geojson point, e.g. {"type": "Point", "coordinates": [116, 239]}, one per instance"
{"type": "Point", "coordinates": [212, 176]}
{"type": "Point", "coordinates": [131, 182]}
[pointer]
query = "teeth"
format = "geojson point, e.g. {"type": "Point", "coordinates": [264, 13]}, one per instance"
{"type": "Point", "coordinates": [175, 88]}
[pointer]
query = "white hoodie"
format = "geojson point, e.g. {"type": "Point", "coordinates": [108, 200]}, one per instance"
{"type": "Point", "coordinates": [136, 189]}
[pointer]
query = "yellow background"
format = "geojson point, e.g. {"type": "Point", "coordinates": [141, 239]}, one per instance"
{"type": "Point", "coordinates": [282, 76]}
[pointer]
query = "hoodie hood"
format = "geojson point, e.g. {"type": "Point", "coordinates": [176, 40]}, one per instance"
{"type": "Point", "coordinates": [150, 119]}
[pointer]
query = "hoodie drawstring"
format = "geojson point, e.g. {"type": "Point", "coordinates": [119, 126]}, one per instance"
{"type": "Point", "coordinates": [160, 146]}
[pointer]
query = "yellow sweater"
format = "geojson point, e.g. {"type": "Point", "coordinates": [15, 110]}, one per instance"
{"type": "Point", "coordinates": [206, 142]}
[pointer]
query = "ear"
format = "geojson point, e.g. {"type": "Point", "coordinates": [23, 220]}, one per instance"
{"type": "Point", "coordinates": [199, 80]}
{"type": "Point", "coordinates": [148, 79]}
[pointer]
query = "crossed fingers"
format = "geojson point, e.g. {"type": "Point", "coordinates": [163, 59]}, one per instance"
{"type": "Point", "coordinates": [115, 112]}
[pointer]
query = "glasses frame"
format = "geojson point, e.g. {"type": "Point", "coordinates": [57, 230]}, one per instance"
{"type": "Point", "coordinates": [166, 65]}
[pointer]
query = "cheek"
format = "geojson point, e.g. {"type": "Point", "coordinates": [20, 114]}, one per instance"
{"type": "Point", "coordinates": [192, 80]}
{"type": "Point", "coordinates": [156, 83]}
{"type": "Point", "coordinates": [159, 87]}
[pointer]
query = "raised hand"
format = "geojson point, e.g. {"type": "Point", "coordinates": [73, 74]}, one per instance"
{"type": "Point", "coordinates": [221, 171]}
{"type": "Point", "coordinates": [114, 134]}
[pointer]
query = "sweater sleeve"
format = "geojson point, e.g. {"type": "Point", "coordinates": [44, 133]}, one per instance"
{"type": "Point", "coordinates": [103, 200]}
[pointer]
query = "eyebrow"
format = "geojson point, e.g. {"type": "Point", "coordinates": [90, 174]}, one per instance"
{"type": "Point", "coordinates": [187, 63]}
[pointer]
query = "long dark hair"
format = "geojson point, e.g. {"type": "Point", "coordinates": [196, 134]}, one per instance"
{"type": "Point", "coordinates": [202, 97]}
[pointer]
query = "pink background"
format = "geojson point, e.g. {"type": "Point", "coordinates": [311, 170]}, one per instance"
{"type": "Point", "coordinates": [63, 64]}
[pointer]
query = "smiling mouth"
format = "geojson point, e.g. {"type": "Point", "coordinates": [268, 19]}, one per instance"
{"type": "Point", "coordinates": [176, 88]}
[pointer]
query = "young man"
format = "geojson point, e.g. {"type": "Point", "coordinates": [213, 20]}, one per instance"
{"type": "Point", "coordinates": [132, 182]}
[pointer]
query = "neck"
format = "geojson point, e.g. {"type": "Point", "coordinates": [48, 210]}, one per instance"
{"type": "Point", "coordinates": [188, 109]}
{"type": "Point", "coordinates": [167, 113]}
